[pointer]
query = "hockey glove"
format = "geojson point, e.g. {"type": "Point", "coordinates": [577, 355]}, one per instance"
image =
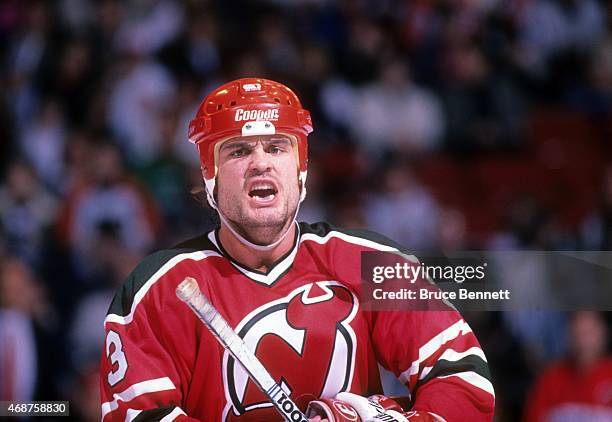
{"type": "Point", "coordinates": [376, 408]}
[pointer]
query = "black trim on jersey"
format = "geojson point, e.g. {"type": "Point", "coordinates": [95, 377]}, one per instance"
{"type": "Point", "coordinates": [469, 363]}
{"type": "Point", "coordinates": [198, 243]}
{"type": "Point", "coordinates": [280, 276]}
{"type": "Point", "coordinates": [124, 297]}
{"type": "Point", "coordinates": [322, 229]}
{"type": "Point", "coordinates": [349, 353]}
{"type": "Point", "coordinates": [154, 415]}
{"type": "Point", "coordinates": [260, 315]}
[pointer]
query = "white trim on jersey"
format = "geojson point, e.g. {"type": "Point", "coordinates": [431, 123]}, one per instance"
{"type": "Point", "coordinates": [173, 415]}
{"type": "Point", "coordinates": [348, 238]}
{"type": "Point", "coordinates": [283, 265]}
{"type": "Point", "coordinates": [273, 275]}
{"type": "Point", "coordinates": [196, 256]}
{"type": "Point", "coordinates": [135, 390]}
{"type": "Point", "coordinates": [131, 414]}
{"type": "Point", "coordinates": [356, 240]}
{"type": "Point", "coordinates": [268, 279]}
{"type": "Point", "coordinates": [474, 379]}
{"type": "Point", "coordinates": [429, 348]}
{"type": "Point", "coordinates": [453, 356]}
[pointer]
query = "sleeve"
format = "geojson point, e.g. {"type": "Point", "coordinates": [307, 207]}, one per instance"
{"type": "Point", "coordinates": [143, 376]}
{"type": "Point", "coordinates": [437, 356]}
{"type": "Point", "coordinates": [433, 352]}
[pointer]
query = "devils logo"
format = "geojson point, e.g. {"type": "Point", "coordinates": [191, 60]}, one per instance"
{"type": "Point", "coordinates": [306, 343]}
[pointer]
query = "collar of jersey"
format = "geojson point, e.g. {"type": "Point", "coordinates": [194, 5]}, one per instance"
{"type": "Point", "coordinates": [277, 270]}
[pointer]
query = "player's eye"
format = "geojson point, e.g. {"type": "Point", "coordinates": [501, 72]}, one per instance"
{"type": "Point", "coordinates": [239, 152]}
{"type": "Point", "coordinates": [278, 147]}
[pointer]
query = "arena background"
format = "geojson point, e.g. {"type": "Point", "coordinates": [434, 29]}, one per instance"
{"type": "Point", "coordinates": [446, 125]}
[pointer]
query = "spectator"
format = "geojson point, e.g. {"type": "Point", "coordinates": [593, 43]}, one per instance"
{"type": "Point", "coordinates": [595, 95]}
{"type": "Point", "coordinates": [144, 90]}
{"type": "Point", "coordinates": [195, 52]}
{"type": "Point", "coordinates": [43, 143]}
{"type": "Point", "coordinates": [29, 50]}
{"type": "Point", "coordinates": [149, 26]}
{"type": "Point", "coordinates": [484, 109]}
{"type": "Point", "coordinates": [394, 114]}
{"type": "Point", "coordinates": [403, 209]}
{"type": "Point", "coordinates": [27, 210]}
{"type": "Point", "coordinates": [112, 205]}
{"type": "Point", "coordinates": [367, 44]}
{"type": "Point", "coordinates": [73, 79]}
{"type": "Point", "coordinates": [165, 178]}
{"type": "Point", "coordinates": [550, 26]}
{"type": "Point", "coordinates": [27, 323]}
{"type": "Point", "coordinates": [278, 50]}
{"type": "Point", "coordinates": [531, 228]}
{"type": "Point", "coordinates": [452, 231]}
{"type": "Point", "coordinates": [576, 388]}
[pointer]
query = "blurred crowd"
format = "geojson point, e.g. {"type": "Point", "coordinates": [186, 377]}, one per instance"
{"type": "Point", "coordinates": [452, 125]}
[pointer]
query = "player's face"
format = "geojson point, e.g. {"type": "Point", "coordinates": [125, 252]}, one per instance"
{"type": "Point", "coordinates": [257, 184]}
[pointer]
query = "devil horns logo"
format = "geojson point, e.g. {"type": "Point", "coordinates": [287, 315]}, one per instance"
{"type": "Point", "coordinates": [306, 343]}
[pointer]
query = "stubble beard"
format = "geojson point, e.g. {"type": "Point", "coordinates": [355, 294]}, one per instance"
{"type": "Point", "coordinates": [261, 226]}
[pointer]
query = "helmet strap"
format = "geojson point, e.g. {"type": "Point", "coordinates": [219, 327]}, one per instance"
{"type": "Point", "coordinates": [210, 188]}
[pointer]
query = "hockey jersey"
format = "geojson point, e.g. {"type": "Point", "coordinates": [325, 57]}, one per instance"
{"type": "Point", "coordinates": [565, 392]}
{"type": "Point", "coordinates": [302, 319]}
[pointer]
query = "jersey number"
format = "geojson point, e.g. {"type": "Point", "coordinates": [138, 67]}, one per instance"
{"type": "Point", "coordinates": [117, 357]}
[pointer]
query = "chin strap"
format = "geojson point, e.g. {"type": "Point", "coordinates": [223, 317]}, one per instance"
{"type": "Point", "coordinates": [210, 188]}
{"type": "Point", "coordinates": [252, 245]}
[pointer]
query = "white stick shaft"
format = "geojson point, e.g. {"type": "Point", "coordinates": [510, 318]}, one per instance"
{"type": "Point", "coordinates": [189, 292]}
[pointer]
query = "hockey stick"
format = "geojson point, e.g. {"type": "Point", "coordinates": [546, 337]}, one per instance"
{"type": "Point", "coordinates": [189, 292]}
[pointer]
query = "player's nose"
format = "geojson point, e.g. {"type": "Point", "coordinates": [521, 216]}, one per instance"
{"type": "Point", "coordinates": [260, 160]}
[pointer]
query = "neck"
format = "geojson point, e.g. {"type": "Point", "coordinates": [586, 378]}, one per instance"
{"type": "Point", "coordinates": [260, 260]}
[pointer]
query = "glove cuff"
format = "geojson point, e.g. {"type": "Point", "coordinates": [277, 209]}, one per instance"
{"type": "Point", "coordinates": [333, 410]}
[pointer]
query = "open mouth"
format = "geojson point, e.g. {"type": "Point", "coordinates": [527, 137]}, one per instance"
{"type": "Point", "coordinates": [263, 191]}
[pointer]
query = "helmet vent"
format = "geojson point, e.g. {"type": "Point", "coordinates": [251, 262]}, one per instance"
{"type": "Point", "coordinates": [277, 100]}
{"type": "Point", "coordinates": [289, 102]}
{"type": "Point", "coordinates": [219, 107]}
{"type": "Point", "coordinates": [232, 103]}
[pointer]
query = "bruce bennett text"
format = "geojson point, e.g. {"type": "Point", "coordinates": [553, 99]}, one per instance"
{"type": "Point", "coordinates": [425, 294]}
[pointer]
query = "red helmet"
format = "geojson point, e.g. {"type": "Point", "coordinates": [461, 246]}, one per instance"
{"type": "Point", "coordinates": [247, 107]}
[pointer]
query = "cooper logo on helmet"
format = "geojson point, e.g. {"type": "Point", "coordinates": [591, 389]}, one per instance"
{"type": "Point", "coordinates": [243, 115]}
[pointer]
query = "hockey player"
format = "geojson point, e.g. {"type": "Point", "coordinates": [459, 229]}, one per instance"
{"type": "Point", "coordinates": [290, 290]}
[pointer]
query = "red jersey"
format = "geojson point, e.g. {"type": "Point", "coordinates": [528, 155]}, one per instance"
{"type": "Point", "coordinates": [566, 393]}
{"type": "Point", "coordinates": [302, 319]}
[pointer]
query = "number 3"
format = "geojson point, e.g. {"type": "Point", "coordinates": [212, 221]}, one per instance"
{"type": "Point", "coordinates": [117, 357]}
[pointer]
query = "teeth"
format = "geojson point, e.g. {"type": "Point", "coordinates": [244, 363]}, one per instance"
{"type": "Point", "coordinates": [264, 198]}
{"type": "Point", "coordinates": [260, 186]}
